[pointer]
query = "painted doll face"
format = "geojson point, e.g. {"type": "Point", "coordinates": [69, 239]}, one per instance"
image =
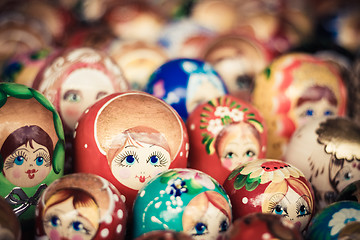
{"type": "Point", "coordinates": [212, 224]}
{"type": "Point", "coordinates": [314, 109]}
{"type": "Point", "coordinates": [238, 145]}
{"type": "Point", "coordinates": [292, 206]}
{"type": "Point", "coordinates": [63, 221]}
{"type": "Point", "coordinates": [350, 172]}
{"type": "Point", "coordinates": [80, 90]}
{"type": "Point", "coordinates": [28, 165]}
{"type": "Point", "coordinates": [137, 162]}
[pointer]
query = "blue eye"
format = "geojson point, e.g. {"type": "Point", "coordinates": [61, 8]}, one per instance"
{"type": "Point", "coordinates": [200, 228]}
{"type": "Point", "coordinates": [39, 161]}
{"type": "Point", "coordinates": [250, 153]}
{"type": "Point", "coordinates": [130, 159]}
{"type": "Point", "coordinates": [347, 176]}
{"type": "Point", "coordinates": [77, 226]}
{"type": "Point", "coordinates": [72, 97]}
{"type": "Point", "coordinates": [302, 211]}
{"type": "Point", "coordinates": [224, 226]}
{"type": "Point", "coordinates": [154, 160]}
{"type": "Point", "coordinates": [19, 160]}
{"type": "Point", "coordinates": [328, 113]}
{"type": "Point", "coordinates": [309, 112]}
{"type": "Point", "coordinates": [55, 221]}
{"type": "Point", "coordinates": [229, 155]}
{"type": "Point", "coordinates": [278, 210]}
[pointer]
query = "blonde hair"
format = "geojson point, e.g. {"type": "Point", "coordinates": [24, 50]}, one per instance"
{"type": "Point", "coordinates": [198, 206]}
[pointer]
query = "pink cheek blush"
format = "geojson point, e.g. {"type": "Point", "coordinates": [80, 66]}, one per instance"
{"type": "Point", "coordinates": [55, 235]}
{"type": "Point", "coordinates": [16, 174]}
{"type": "Point", "coordinates": [122, 173]}
{"type": "Point", "coordinates": [77, 237]}
{"type": "Point", "coordinates": [227, 163]}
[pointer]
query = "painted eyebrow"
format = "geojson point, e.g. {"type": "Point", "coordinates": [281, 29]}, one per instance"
{"type": "Point", "coordinates": [40, 149]}
{"type": "Point", "coordinates": [130, 146]}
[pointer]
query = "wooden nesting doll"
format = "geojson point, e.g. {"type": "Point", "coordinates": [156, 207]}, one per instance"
{"type": "Point", "coordinates": [128, 138]}
{"type": "Point", "coordinates": [263, 226]}
{"type": "Point", "coordinates": [9, 224]}
{"type": "Point", "coordinates": [183, 200]}
{"type": "Point", "coordinates": [77, 77]}
{"type": "Point", "coordinates": [271, 186]}
{"type": "Point", "coordinates": [293, 89]}
{"type": "Point", "coordinates": [81, 206]}
{"type": "Point", "coordinates": [32, 147]}
{"type": "Point", "coordinates": [138, 60]}
{"type": "Point", "coordinates": [224, 133]}
{"type": "Point", "coordinates": [327, 151]}
{"type": "Point", "coordinates": [340, 220]}
{"type": "Point", "coordinates": [185, 83]}
{"type": "Point", "coordinates": [237, 58]}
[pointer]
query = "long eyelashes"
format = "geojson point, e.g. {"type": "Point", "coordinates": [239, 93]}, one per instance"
{"type": "Point", "coordinates": [10, 162]}
{"type": "Point", "coordinates": [126, 159]}
{"type": "Point", "coordinates": [301, 209]}
{"type": "Point", "coordinates": [157, 159]}
{"type": "Point", "coordinates": [46, 158]}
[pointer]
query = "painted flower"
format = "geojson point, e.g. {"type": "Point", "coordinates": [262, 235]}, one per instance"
{"type": "Point", "coordinates": [176, 187]}
{"type": "Point", "coordinates": [215, 126]}
{"type": "Point", "coordinates": [341, 218]}
{"type": "Point", "coordinates": [222, 111]}
{"type": "Point", "coordinates": [236, 115]}
{"type": "Point", "coordinates": [199, 177]}
{"type": "Point", "coordinates": [270, 170]}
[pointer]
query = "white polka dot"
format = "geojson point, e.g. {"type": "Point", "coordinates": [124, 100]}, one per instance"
{"type": "Point", "coordinates": [123, 198]}
{"type": "Point", "coordinates": [116, 198]}
{"type": "Point", "coordinates": [181, 154]}
{"type": "Point", "coordinates": [120, 213]}
{"type": "Point", "coordinates": [86, 111]}
{"type": "Point", "coordinates": [76, 125]}
{"type": "Point", "coordinates": [142, 193]}
{"type": "Point", "coordinates": [108, 219]}
{"type": "Point", "coordinates": [74, 135]}
{"type": "Point", "coordinates": [104, 233]}
{"type": "Point", "coordinates": [85, 146]}
{"type": "Point", "coordinates": [118, 228]}
{"type": "Point", "coordinates": [192, 127]}
{"type": "Point", "coordinates": [245, 200]}
{"type": "Point", "coordinates": [266, 236]}
{"type": "Point", "coordinates": [187, 146]}
{"type": "Point", "coordinates": [187, 154]}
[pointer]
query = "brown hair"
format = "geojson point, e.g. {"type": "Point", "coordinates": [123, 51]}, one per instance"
{"type": "Point", "coordinates": [24, 135]}
{"type": "Point", "coordinates": [316, 93]}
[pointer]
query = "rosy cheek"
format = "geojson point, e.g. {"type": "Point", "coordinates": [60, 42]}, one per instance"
{"type": "Point", "coordinates": [227, 163]}
{"type": "Point", "coordinates": [122, 173]}
{"type": "Point", "coordinates": [71, 112]}
{"type": "Point", "coordinates": [16, 173]}
{"type": "Point", "coordinates": [54, 235]}
{"type": "Point", "coordinates": [76, 237]}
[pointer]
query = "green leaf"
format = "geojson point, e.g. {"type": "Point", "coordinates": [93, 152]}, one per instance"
{"type": "Point", "coordinates": [16, 90]}
{"type": "Point", "coordinates": [59, 157]}
{"type": "Point", "coordinates": [3, 98]}
{"type": "Point", "coordinates": [43, 100]}
{"type": "Point", "coordinates": [251, 185]}
{"type": "Point", "coordinates": [240, 181]}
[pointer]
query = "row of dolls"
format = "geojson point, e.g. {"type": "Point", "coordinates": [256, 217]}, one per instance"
{"type": "Point", "coordinates": [129, 138]}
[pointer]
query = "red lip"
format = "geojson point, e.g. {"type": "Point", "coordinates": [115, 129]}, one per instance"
{"type": "Point", "coordinates": [142, 179]}
{"type": "Point", "coordinates": [31, 173]}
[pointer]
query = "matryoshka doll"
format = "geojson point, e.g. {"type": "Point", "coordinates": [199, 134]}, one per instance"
{"type": "Point", "coordinates": [128, 138]}
{"type": "Point", "coordinates": [165, 235]}
{"type": "Point", "coordinates": [135, 20]}
{"type": "Point", "coordinates": [31, 148]}
{"type": "Point", "coordinates": [263, 226]}
{"type": "Point", "coordinates": [9, 224]}
{"type": "Point", "coordinates": [77, 77]}
{"type": "Point", "coordinates": [224, 133]}
{"type": "Point", "coordinates": [138, 60]}
{"type": "Point", "coordinates": [271, 186]}
{"type": "Point", "coordinates": [184, 83]}
{"type": "Point", "coordinates": [293, 89]}
{"type": "Point", "coordinates": [183, 200]}
{"type": "Point", "coordinates": [339, 220]}
{"type": "Point", "coordinates": [327, 151]}
{"type": "Point", "coordinates": [238, 58]}
{"type": "Point", "coordinates": [81, 206]}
